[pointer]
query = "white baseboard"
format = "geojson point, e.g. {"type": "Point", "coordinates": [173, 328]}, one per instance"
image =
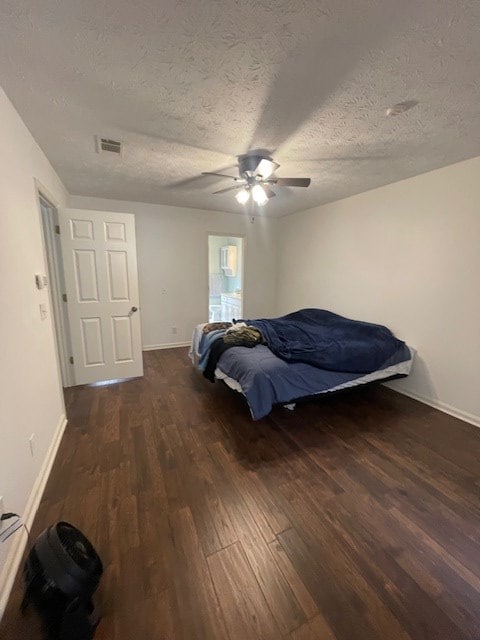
{"type": "Point", "coordinates": [172, 345]}
{"type": "Point", "coordinates": [19, 539]}
{"type": "Point", "coordinates": [441, 406]}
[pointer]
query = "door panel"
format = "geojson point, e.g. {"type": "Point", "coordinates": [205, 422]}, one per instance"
{"type": "Point", "coordinates": [117, 271]}
{"type": "Point", "coordinates": [100, 265]}
{"type": "Point", "coordinates": [81, 229]}
{"type": "Point", "coordinates": [92, 342]}
{"type": "Point", "coordinates": [86, 276]}
{"type": "Point", "coordinates": [122, 339]}
{"type": "Point", "coordinates": [115, 231]}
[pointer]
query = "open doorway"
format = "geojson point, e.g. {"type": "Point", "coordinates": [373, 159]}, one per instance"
{"type": "Point", "coordinates": [225, 278]}
{"type": "Point", "coordinates": [53, 254]}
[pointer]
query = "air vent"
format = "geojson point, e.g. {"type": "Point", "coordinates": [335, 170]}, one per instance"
{"type": "Point", "coordinates": [106, 145]}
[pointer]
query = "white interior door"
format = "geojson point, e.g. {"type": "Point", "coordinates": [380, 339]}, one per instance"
{"type": "Point", "coordinates": [100, 263]}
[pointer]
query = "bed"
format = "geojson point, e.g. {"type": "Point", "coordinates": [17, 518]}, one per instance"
{"type": "Point", "coordinates": [307, 353]}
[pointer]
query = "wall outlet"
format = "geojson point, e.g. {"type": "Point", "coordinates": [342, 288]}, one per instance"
{"type": "Point", "coordinates": [8, 527]}
{"type": "Point", "coordinates": [31, 442]}
{"type": "Point", "coordinates": [174, 329]}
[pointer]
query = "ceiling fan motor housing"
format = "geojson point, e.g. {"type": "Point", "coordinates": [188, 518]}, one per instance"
{"type": "Point", "coordinates": [249, 163]}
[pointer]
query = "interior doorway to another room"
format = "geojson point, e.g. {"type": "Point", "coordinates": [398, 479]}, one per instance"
{"type": "Point", "coordinates": [225, 278]}
{"type": "Point", "coordinates": [56, 285]}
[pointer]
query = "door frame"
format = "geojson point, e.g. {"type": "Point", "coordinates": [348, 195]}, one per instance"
{"type": "Point", "coordinates": [54, 263]}
{"type": "Point", "coordinates": [243, 236]}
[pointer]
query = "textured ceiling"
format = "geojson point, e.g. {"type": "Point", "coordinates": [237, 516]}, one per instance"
{"type": "Point", "coordinates": [189, 85]}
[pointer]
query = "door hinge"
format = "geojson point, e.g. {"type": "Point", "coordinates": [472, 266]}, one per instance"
{"type": "Point", "coordinates": [64, 297]}
{"type": "Point", "coordinates": [71, 359]}
{"type": "Point", "coordinates": [57, 229]}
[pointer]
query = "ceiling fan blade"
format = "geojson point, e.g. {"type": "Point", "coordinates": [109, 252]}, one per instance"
{"type": "Point", "coordinates": [342, 159]}
{"type": "Point", "coordinates": [221, 175]}
{"type": "Point", "coordinates": [198, 181]}
{"type": "Point", "coordinates": [291, 182]}
{"type": "Point", "coordinates": [239, 186]}
{"type": "Point", "coordinates": [193, 182]}
{"type": "Point", "coordinates": [266, 167]}
{"type": "Point", "coordinates": [269, 192]}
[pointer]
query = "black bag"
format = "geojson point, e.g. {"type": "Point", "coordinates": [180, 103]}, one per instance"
{"type": "Point", "coordinates": [61, 573]}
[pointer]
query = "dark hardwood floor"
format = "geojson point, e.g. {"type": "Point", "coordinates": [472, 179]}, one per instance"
{"type": "Point", "coordinates": [352, 518]}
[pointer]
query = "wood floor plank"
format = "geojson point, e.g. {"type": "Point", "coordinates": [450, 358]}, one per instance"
{"type": "Point", "coordinates": [275, 587]}
{"type": "Point", "coordinates": [243, 603]}
{"type": "Point", "coordinates": [213, 524]}
{"type": "Point", "coordinates": [302, 594]}
{"type": "Point", "coordinates": [315, 628]}
{"type": "Point", "coordinates": [343, 608]}
{"type": "Point", "coordinates": [355, 517]}
{"type": "Point", "coordinates": [365, 527]}
{"type": "Point", "coordinates": [239, 479]}
{"type": "Point", "coordinates": [269, 516]}
{"type": "Point", "coordinates": [196, 597]}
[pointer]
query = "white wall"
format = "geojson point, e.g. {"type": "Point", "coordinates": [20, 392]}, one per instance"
{"type": "Point", "coordinates": [30, 395]}
{"type": "Point", "coordinates": [172, 248]}
{"type": "Point", "coordinates": [406, 255]}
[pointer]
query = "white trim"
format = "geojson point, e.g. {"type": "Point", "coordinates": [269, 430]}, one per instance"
{"type": "Point", "coordinates": [441, 406]}
{"type": "Point", "coordinates": [171, 345]}
{"type": "Point", "coordinates": [39, 187]}
{"type": "Point", "coordinates": [19, 543]}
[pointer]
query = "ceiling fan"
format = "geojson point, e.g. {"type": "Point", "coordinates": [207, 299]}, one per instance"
{"type": "Point", "coordinates": [256, 179]}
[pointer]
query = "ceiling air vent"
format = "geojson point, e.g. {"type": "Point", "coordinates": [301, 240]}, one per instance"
{"type": "Point", "coordinates": [106, 145]}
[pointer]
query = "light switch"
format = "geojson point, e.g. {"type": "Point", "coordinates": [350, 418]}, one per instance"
{"type": "Point", "coordinates": [41, 280]}
{"type": "Point", "coordinates": [43, 311]}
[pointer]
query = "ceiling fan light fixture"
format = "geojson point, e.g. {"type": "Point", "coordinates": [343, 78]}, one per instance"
{"type": "Point", "coordinates": [259, 195]}
{"type": "Point", "coordinates": [256, 173]}
{"type": "Point", "coordinates": [242, 196]}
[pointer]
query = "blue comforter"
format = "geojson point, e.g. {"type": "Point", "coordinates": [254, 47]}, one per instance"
{"type": "Point", "coordinates": [266, 380]}
{"type": "Point", "coordinates": [328, 341]}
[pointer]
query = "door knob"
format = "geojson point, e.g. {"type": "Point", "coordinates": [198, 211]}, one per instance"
{"type": "Point", "coordinates": [133, 309]}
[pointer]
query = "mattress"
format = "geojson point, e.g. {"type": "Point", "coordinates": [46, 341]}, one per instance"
{"type": "Point", "coordinates": [265, 380]}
